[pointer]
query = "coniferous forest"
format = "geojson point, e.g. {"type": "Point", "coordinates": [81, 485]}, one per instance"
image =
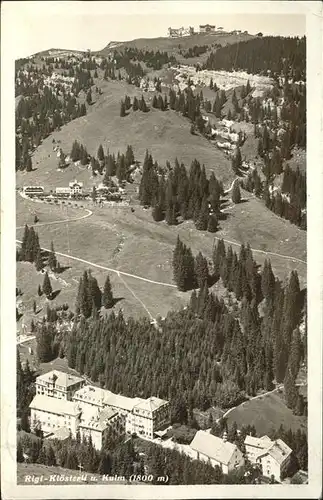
{"type": "Point", "coordinates": [279, 55]}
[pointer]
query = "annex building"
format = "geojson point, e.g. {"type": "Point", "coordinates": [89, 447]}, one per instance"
{"type": "Point", "coordinates": [272, 456]}
{"type": "Point", "coordinates": [216, 451]}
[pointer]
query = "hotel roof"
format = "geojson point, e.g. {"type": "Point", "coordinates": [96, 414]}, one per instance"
{"type": "Point", "coordinates": [61, 378]}
{"type": "Point", "coordinates": [122, 402]}
{"type": "Point", "coordinates": [151, 404]}
{"type": "Point", "coordinates": [54, 405]}
{"type": "Point", "coordinates": [92, 394]}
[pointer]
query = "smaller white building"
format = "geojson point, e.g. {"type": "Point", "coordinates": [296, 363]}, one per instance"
{"type": "Point", "coordinates": [75, 187]}
{"type": "Point", "coordinates": [216, 451]}
{"type": "Point", "coordinates": [272, 456]}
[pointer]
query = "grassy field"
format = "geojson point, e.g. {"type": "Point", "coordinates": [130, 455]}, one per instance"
{"type": "Point", "coordinates": [26, 211]}
{"type": "Point", "coordinates": [134, 243]}
{"type": "Point", "coordinates": [165, 134]}
{"type": "Point", "coordinates": [266, 413]}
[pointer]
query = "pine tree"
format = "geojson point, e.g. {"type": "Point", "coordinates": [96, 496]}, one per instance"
{"type": "Point", "coordinates": [203, 217]}
{"type": "Point", "coordinates": [201, 270]}
{"type": "Point", "coordinates": [89, 97]}
{"type": "Point", "coordinates": [295, 353]}
{"type": "Point", "coordinates": [157, 213]}
{"type": "Point", "coordinates": [267, 281]}
{"type": "Point", "coordinates": [122, 109]}
{"type": "Point", "coordinates": [135, 105]}
{"type": "Point", "coordinates": [52, 261]}
{"type": "Point", "coordinates": [47, 287]}
{"type": "Point", "coordinates": [236, 195]}
{"type": "Point", "coordinates": [29, 165]}
{"type": "Point", "coordinates": [107, 297]}
{"type": "Point", "coordinates": [100, 153]}
{"type": "Point", "coordinates": [290, 390]}
{"type": "Point", "coordinates": [212, 226]}
{"type": "Point", "coordinates": [39, 261]}
{"type": "Point", "coordinates": [95, 294]}
{"type": "Point", "coordinates": [39, 291]}
{"type": "Point", "coordinates": [20, 451]}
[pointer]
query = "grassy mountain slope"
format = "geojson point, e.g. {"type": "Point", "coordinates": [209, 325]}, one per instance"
{"type": "Point", "coordinates": [165, 134]}
{"type": "Point", "coordinates": [172, 44]}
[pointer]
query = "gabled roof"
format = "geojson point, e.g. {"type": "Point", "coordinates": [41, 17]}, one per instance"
{"type": "Point", "coordinates": [279, 451]}
{"type": "Point", "coordinates": [151, 404]}
{"type": "Point", "coordinates": [92, 394]}
{"type": "Point", "coordinates": [213, 447]}
{"type": "Point", "coordinates": [61, 378]}
{"type": "Point", "coordinates": [54, 405]}
{"type": "Point", "coordinates": [122, 402]}
{"type": "Point", "coordinates": [263, 443]}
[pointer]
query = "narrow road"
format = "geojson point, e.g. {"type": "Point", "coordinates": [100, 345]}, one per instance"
{"type": "Point", "coordinates": [62, 221]}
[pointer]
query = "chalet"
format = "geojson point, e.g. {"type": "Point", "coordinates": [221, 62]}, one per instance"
{"type": "Point", "coordinates": [272, 456]}
{"type": "Point", "coordinates": [216, 451]}
{"type": "Point", "coordinates": [75, 187]}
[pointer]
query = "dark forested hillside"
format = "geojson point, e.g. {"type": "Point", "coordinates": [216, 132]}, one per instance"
{"type": "Point", "coordinates": [279, 55]}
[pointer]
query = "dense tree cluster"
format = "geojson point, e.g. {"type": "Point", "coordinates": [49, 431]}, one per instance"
{"type": "Point", "coordinates": [152, 59]}
{"type": "Point", "coordinates": [39, 115]}
{"type": "Point", "coordinates": [187, 103]}
{"type": "Point", "coordinates": [159, 102]}
{"type": "Point", "coordinates": [189, 195]}
{"type": "Point", "coordinates": [287, 207]}
{"type": "Point", "coordinates": [138, 104]}
{"type": "Point", "coordinates": [109, 164]}
{"type": "Point", "coordinates": [195, 51]}
{"type": "Point", "coordinates": [279, 55]}
{"type": "Point", "coordinates": [30, 248]}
